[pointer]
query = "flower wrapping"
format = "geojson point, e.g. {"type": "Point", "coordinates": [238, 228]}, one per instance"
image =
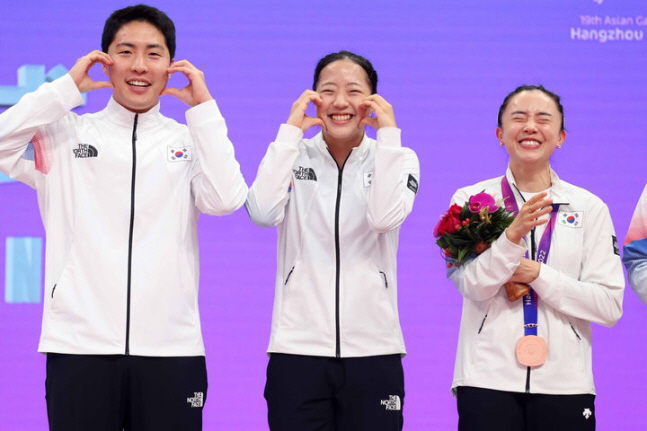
{"type": "Point", "coordinates": [466, 231]}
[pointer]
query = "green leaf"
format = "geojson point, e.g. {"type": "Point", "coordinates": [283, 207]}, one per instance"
{"type": "Point", "coordinates": [462, 254]}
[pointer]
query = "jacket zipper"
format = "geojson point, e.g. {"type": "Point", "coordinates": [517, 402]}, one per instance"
{"type": "Point", "coordinates": [130, 235]}
{"type": "Point", "coordinates": [338, 258]}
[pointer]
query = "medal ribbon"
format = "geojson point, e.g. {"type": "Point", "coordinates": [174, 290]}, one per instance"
{"type": "Point", "coordinates": [530, 300]}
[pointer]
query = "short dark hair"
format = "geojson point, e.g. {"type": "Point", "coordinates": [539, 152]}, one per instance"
{"type": "Point", "coordinates": [521, 88]}
{"type": "Point", "coordinates": [347, 55]}
{"type": "Point", "coordinates": [144, 13]}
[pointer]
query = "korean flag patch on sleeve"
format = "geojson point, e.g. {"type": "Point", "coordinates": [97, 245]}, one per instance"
{"type": "Point", "coordinates": [179, 154]}
{"type": "Point", "coordinates": [368, 179]}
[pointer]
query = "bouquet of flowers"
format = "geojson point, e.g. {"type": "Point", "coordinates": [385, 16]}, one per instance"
{"type": "Point", "coordinates": [467, 231]}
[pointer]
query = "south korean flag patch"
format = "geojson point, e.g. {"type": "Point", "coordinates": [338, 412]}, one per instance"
{"type": "Point", "coordinates": [179, 154]}
{"type": "Point", "coordinates": [572, 219]}
{"type": "Point", "coordinates": [368, 179]}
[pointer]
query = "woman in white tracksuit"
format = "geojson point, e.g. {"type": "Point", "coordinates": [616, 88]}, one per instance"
{"type": "Point", "coordinates": [562, 244]}
{"type": "Point", "coordinates": [338, 201]}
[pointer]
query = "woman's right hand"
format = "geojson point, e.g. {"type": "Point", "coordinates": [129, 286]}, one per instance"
{"type": "Point", "coordinates": [298, 115]}
{"type": "Point", "coordinates": [530, 215]}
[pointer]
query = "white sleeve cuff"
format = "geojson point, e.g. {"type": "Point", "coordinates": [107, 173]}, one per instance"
{"type": "Point", "coordinates": [203, 113]}
{"type": "Point", "coordinates": [389, 137]}
{"type": "Point", "coordinates": [289, 133]}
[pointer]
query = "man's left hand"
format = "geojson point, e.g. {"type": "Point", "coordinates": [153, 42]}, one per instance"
{"type": "Point", "coordinates": [196, 92]}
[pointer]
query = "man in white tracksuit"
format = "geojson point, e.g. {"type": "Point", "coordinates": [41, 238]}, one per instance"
{"type": "Point", "coordinates": [120, 192]}
{"type": "Point", "coordinates": [338, 200]}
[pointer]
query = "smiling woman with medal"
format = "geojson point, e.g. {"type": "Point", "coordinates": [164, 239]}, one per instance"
{"type": "Point", "coordinates": [524, 360]}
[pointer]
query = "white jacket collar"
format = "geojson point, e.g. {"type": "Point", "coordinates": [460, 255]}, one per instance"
{"type": "Point", "coordinates": [557, 192]}
{"type": "Point", "coordinates": [358, 153]}
{"type": "Point", "coordinates": [126, 117]}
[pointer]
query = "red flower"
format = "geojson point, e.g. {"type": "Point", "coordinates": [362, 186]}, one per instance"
{"type": "Point", "coordinates": [450, 222]}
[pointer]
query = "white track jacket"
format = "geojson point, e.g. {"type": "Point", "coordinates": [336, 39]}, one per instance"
{"type": "Point", "coordinates": [581, 283]}
{"type": "Point", "coordinates": [119, 195]}
{"type": "Point", "coordinates": [336, 284]}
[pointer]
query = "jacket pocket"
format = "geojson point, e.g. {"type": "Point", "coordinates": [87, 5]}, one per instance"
{"type": "Point", "coordinates": [386, 282]}
{"type": "Point", "coordinates": [61, 291]}
{"type": "Point", "coordinates": [576, 346]}
{"type": "Point", "coordinates": [482, 323]}
{"type": "Point", "coordinates": [287, 278]}
{"type": "Point", "coordinates": [487, 341]}
{"type": "Point", "coordinates": [63, 300]}
{"type": "Point", "coordinates": [368, 307]}
{"type": "Point", "coordinates": [304, 292]}
{"type": "Point", "coordinates": [576, 334]}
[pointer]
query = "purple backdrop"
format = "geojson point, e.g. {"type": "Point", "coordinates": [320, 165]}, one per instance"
{"type": "Point", "coordinates": [445, 67]}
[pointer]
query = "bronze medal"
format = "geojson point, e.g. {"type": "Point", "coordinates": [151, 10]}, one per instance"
{"type": "Point", "coordinates": [531, 351]}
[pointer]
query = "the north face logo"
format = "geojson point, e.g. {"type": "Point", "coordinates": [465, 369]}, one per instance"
{"type": "Point", "coordinates": [305, 174]}
{"type": "Point", "coordinates": [393, 403]}
{"type": "Point", "coordinates": [197, 400]}
{"type": "Point", "coordinates": [84, 151]}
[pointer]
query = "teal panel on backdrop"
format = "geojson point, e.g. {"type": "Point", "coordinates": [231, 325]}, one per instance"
{"type": "Point", "coordinates": [23, 276]}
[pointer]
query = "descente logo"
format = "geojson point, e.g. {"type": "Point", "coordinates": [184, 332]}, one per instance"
{"type": "Point", "coordinates": [84, 151]}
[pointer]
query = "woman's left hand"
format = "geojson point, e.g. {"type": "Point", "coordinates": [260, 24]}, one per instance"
{"type": "Point", "coordinates": [384, 116]}
{"type": "Point", "coordinates": [527, 271]}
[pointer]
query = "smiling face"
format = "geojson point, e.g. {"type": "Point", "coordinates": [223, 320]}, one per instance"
{"type": "Point", "coordinates": [531, 129]}
{"type": "Point", "coordinates": [343, 85]}
{"type": "Point", "coordinates": [141, 60]}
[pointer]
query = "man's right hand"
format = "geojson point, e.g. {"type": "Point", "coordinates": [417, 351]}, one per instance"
{"type": "Point", "coordinates": [83, 65]}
